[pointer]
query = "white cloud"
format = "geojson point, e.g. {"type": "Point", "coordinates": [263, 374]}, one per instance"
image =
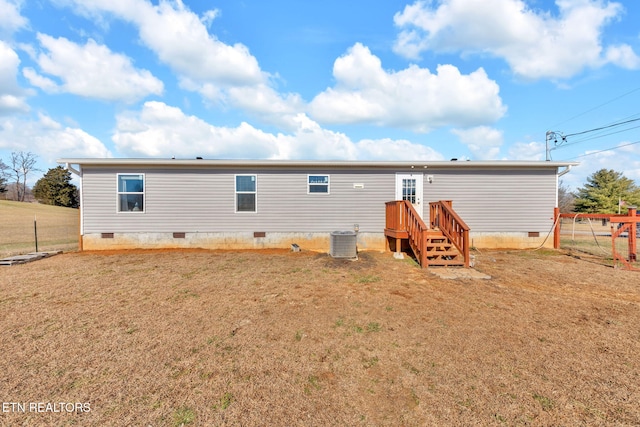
{"type": "Point", "coordinates": [40, 81]}
{"type": "Point", "coordinates": [229, 75]}
{"type": "Point", "coordinates": [527, 151]}
{"type": "Point", "coordinates": [185, 44]}
{"type": "Point", "coordinates": [389, 149]}
{"type": "Point", "coordinates": [160, 130]}
{"type": "Point", "coordinates": [413, 98]}
{"type": "Point", "coordinates": [266, 102]}
{"type": "Point", "coordinates": [11, 104]}
{"type": "Point", "coordinates": [623, 56]}
{"type": "Point", "coordinates": [220, 72]}
{"type": "Point", "coordinates": [623, 158]}
{"type": "Point", "coordinates": [49, 139]}
{"type": "Point", "coordinates": [10, 18]}
{"type": "Point", "coordinates": [91, 71]}
{"type": "Point", "coordinates": [483, 142]}
{"type": "Point", "coordinates": [209, 16]}
{"type": "Point", "coordinates": [11, 95]}
{"type": "Point", "coordinates": [534, 43]}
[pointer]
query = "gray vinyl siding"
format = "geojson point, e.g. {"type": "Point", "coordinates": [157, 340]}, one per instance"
{"type": "Point", "coordinates": [203, 200]}
{"type": "Point", "coordinates": [512, 200]}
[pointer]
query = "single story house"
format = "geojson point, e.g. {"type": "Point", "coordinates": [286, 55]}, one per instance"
{"type": "Point", "coordinates": [240, 204]}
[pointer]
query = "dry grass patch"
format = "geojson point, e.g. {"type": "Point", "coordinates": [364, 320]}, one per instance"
{"type": "Point", "coordinates": [168, 338]}
{"type": "Point", "coordinates": [57, 228]}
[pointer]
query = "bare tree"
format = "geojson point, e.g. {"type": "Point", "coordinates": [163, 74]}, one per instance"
{"type": "Point", "coordinates": [3, 177]}
{"type": "Point", "coordinates": [566, 199]}
{"type": "Point", "coordinates": [22, 164]}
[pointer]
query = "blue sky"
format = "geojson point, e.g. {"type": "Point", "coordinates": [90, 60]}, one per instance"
{"type": "Point", "coordinates": [391, 80]}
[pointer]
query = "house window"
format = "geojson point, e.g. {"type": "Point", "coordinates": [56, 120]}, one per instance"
{"type": "Point", "coordinates": [318, 184]}
{"type": "Point", "coordinates": [131, 192]}
{"type": "Point", "coordinates": [246, 191]}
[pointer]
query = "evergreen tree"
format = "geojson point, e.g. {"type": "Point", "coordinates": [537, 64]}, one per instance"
{"type": "Point", "coordinates": [55, 188]}
{"type": "Point", "coordinates": [603, 192]}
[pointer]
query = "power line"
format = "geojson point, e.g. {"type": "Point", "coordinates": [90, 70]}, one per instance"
{"type": "Point", "coordinates": [603, 127]}
{"type": "Point", "coordinates": [597, 106]}
{"type": "Point", "coordinates": [606, 149]}
{"type": "Point", "coordinates": [552, 135]}
{"type": "Point", "coordinates": [596, 137]}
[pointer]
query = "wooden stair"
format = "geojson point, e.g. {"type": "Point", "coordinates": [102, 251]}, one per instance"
{"type": "Point", "coordinates": [444, 243]}
{"type": "Point", "coordinates": [440, 251]}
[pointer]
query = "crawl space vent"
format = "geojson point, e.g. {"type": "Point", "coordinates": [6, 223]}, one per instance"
{"type": "Point", "coordinates": [343, 244]}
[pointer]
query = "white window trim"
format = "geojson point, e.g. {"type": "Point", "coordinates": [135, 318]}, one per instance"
{"type": "Point", "coordinates": [119, 193]}
{"type": "Point", "coordinates": [328, 184]}
{"type": "Point", "coordinates": [236, 192]}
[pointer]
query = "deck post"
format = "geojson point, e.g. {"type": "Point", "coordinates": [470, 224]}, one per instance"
{"type": "Point", "coordinates": [632, 236]}
{"type": "Point", "coordinates": [556, 228]}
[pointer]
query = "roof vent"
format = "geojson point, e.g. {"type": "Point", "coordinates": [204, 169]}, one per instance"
{"type": "Point", "coordinates": [343, 244]}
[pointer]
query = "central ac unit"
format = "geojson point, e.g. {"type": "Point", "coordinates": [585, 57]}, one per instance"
{"type": "Point", "coordinates": [343, 244]}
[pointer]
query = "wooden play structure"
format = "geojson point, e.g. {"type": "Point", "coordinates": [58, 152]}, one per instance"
{"type": "Point", "coordinates": [622, 226]}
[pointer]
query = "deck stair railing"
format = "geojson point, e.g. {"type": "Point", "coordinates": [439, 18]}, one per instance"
{"type": "Point", "coordinates": [442, 217]}
{"type": "Point", "coordinates": [431, 245]}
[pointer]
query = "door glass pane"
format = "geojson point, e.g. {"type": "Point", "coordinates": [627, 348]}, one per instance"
{"type": "Point", "coordinates": [409, 190]}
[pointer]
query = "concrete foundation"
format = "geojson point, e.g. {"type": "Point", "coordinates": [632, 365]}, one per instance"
{"type": "Point", "coordinates": [509, 240]}
{"type": "Point", "coordinates": [306, 241]}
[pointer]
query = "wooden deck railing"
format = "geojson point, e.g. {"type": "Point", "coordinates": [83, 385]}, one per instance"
{"type": "Point", "coordinates": [444, 218]}
{"type": "Point", "coordinates": [402, 216]}
{"type": "Point", "coordinates": [395, 215]}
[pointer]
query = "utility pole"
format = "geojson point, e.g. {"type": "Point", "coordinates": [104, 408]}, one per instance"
{"type": "Point", "coordinates": [553, 135]}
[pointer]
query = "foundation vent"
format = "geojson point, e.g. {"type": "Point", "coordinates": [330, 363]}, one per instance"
{"type": "Point", "coordinates": [343, 244]}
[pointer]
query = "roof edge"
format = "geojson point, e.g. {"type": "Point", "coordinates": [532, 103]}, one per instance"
{"type": "Point", "coordinates": [416, 164]}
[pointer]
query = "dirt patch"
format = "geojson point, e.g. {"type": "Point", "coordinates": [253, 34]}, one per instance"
{"type": "Point", "coordinates": [252, 338]}
{"type": "Point", "coordinates": [364, 261]}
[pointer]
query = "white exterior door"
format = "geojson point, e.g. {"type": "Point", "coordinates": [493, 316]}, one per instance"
{"type": "Point", "coordinates": [409, 187]}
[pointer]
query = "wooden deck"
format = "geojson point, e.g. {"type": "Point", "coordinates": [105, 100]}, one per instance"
{"type": "Point", "coordinates": [445, 242]}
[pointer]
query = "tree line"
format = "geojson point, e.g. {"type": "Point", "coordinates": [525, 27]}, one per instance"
{"type": "Point", "coordinates": [54, 188]}
{"type": "Point", "coordinates": [606, 190]}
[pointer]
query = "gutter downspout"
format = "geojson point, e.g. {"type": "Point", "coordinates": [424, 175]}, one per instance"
{"type": "Point", "coordinates": [566, 171]}
{"type": "Point", "coordinates": [72, 169]}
